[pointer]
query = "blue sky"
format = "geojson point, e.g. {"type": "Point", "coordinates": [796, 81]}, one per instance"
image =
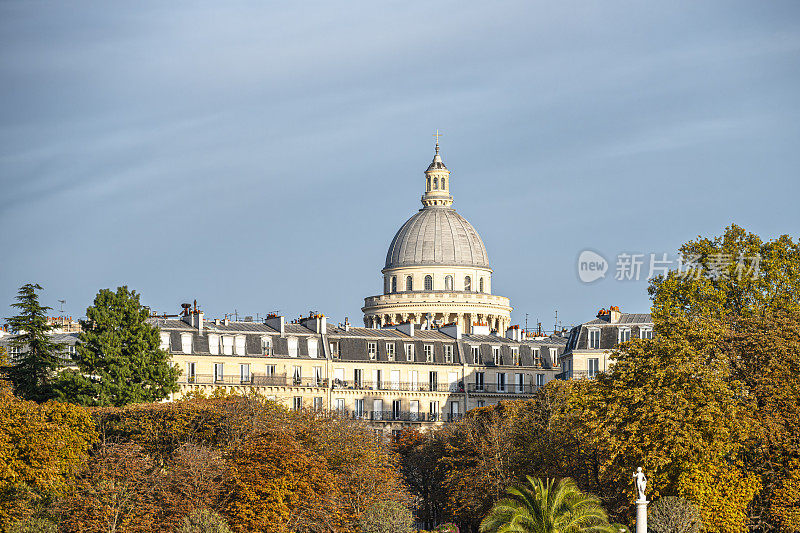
{"type": "Point", "coordinates": [260, 156]}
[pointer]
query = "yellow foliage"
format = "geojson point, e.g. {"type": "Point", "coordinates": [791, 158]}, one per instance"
{"type": "Point", "coordinates": [41, 446]}
{"type": "Point", "coordinates": [722, 492]}
{"type": "Point", "coordinates": [786, 500]}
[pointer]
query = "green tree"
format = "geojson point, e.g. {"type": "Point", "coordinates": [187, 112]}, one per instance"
{"type": "Point", "coordinates": [547, 507]}
{"type": "Point", "coordinates": [118, 357]}
{"type": "Point", "coordinates": [387, 517]}
{"type": "Point", "coordinates": [32, 374]}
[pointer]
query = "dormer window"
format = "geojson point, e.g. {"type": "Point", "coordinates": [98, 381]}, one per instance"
{"type": "Point", "coordinates": [537, 357]}
{"type": "Point", "coordinates": [515, 356]}
{"type": "Point", "coordinates": [213, 344]}
{"type": "Point", "coordinates": [390, 351]}
{"type": "Point", "coordinates": [646, 333]}
{"type": "Point", "coordinates": [227, 345]}
{"type": "Point", "coordinates": [594, 339]}
{"type": "Point", "coordinates": [372, 350]}
{"type": "Point", "coordinates": [496, 356]}
{"type": "Point", "coordinates": [410, 352]}
{"type": "Point", "coordinates": [186, 342]}
{"type": "Point", "coordinates": [624, 335]}
{"type": "Point", "coordinates": [164, 341]}
{"type": "Point", "coordinates": [240, 345]}
{"type": "Point", "coordinates": [312, 347]}
{"type": "Point", "coordinates": [266, 345]}
{"type": "Point", "coordinates": [448, 353]}
{"type": "Point", "coordinates": [476, 354]}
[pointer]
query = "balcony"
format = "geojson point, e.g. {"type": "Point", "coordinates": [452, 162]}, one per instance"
{"type": "Point", "coordinates": [406, 386]}
{"type": "Point", "coordinates": [400, 416]}
{"type": "Point", "coordinates": [580, 374]}
{"type": "Point", "coordinates": [509, 388]}
{"type": "Point", "coordinates": [253, 380]}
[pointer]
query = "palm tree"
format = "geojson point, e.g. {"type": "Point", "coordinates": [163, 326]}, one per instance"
{"type": "Point", "coordinates": [547, 507]}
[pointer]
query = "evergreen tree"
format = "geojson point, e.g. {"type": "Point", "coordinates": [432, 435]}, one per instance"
{"type": "Point", "coordinates": [118, 356]}
{"type": "Point", "coordinates": [33, 372]}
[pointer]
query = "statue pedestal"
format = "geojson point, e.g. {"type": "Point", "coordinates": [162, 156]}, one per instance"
{"type": "Point", "coordinates": [641, 516]}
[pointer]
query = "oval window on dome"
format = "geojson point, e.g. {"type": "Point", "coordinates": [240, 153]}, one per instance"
{"type": "Point", "coordinates": [428, 283]}
{"type": "Point", "coordinates": [467, 283]}
{"type": "Point", "coordinates": [409, 283]}
{"type": "Point", "coordinates": [448, 283]}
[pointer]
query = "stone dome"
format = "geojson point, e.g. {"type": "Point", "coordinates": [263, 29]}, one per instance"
{"type": "Point", "coordinates": [437, 236]}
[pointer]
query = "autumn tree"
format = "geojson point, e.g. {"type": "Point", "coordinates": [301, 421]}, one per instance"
{"type": "Point", "coordinates": [42, 446]}
{"type": "Point", "coordinates": [119, 357]}
{"type": "Point", "coordinates": [34, 370]}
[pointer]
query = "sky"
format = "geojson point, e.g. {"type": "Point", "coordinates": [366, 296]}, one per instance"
{"type": "Point", "coordinates": [260, 156]}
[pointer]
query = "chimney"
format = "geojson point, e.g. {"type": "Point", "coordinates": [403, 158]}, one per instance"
{"type": "Point", "coordinates": [346, 324]}
{"type": "Point", "coordinates": [200, 322]}
{"type": "Point", "coordinates": [275, 322]}
{"type": "Point", "coordinates": [514, 333]}
{"type": "Point", "coordinates": [317, 323]}
{"type": "Point", "coordinates": [452, 330]}
{"type": "Point", "coordinates": [614, 314]}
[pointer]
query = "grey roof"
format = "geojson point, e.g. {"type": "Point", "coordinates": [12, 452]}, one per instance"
{"type": "Point", "coordinates": [625, 318]}
{"type": "Point", "coordinates": [437, 236]}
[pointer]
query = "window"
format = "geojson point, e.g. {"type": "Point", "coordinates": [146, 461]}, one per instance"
{"type": "Point", "coordinates": [227, 345]}
{"type": "Point", "coordinates": [359, 408]}
{"type": "Point", "coordinates": [467, 283]}
{"type": "Point", "coordinates": [339, 404]}
{"type": "Point", "coordinates": [453, 383]}
{"type": "Point", "coordinates": [297, 375]}
{"type": "Point", "coordinates": [297, 403]}
{"type": "Point", "coordinates": [480, 403]}
{"type": "Point", "coordinates": [434, 410]}
{"type": "Point", "coordinates": [428, 353]}
{"type": "Point", "coordinates": [519, 381]}
{"type": "Point", "coordinates": [646, 333]}
{"type": "Point", "coordinates": [428, 283]}
{"type": "Point", "coordinates": [377, 377]}
{"type": "Point", "coordinates": [594, 365]}
{"type": "Point", "coordinates": [413, 412]}
{"type": "Point", "coordinates": [501, 382]}
{"type": "Point", "coordinates": [448, 353]}
{"type": "Point", "coordinates": [413, 378]}
{"type": "Point", "coordinates": [409, 352]}
{"type": "Point", "coordinates": [554, 357]}
{"type": "Point", "coordinates": [372, 349]}
{"type": "Point", "coordinates": [537, 357]}
{"type": "Point", "coordinates": [318, 403]}
{"type": "Point", "coordinates": [480, 287]}
{"type": "Point", "coordinates": [409, 283]}
{"type": "Point", "coordinates": [515, 356]}
{"type": "Point", "coordinates": [244, 373]}
{"type": "Point", "coordinates": [269, 370]}
{"type": "Point", "coordinates": [239, 345]}
{"type": "Point", "coordinates": [435, 183]}
{"type": "Point", "coordinates": [433, 381]}
{"type": "Point", "coordinates": [313, 347]}
{"type": "Point", "coordinates": [191, 372]}
{"type": "Point", "coordinates": [386, 284]}
{"type": "Point", "coordinates": [454, 414]}
{"type": "Point", "coordinates": [292, 345]}
{"type": "Point", "coordinates": [444, 184]}
{"type": "Point", "coordinates": [390, 351]}
{"type": "Point", "coordinates": [219, 373]}
{"type": "Point", "coordinates": [319, 380]}
{"type": "Point", "coordinates": [334, 349]}
{"type": "Point", "coordinates": [338, 378]}
{"type": "Point", "coordinates": [394, 378]}
{"type": "Point", "coordinates": [448, 283]}
{"type": "Point", "coordinates": [394, 284]}
{"type": "Point", "coordinates": [624, 334]}
{"type": "Point", "coordinates": [479, 381]}
{"type": "Point", "coordinates": [186, 342]}
{"type": "Point", "coordinates": [213, 344]}
{"type": "Point", "coordinates": [396, 409]}
{"type": "Point", "coordinates": [165, 341]}
{"type": "Point", "coordinates": [594, 339]}
{"type": "Point", "coordinates": [377, 409]}
{"type": "Point", "coordinates": [476, 354]}
{"type": "Point", "coordinates": [358, 378]}
{"type": "Point", "coordinates": [540, 380]}
{"type": "Point", "coordinates": [496, 356]}
{"type": "Point", "coordinates": [266, 345]}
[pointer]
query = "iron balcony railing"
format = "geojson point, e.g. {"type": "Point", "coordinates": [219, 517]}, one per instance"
{"type": "Point", "coordinates": [255, 380]}
{"type": "Point", "coordinates": [398, 386]}
{"type": "Point", "coordinates": [400, 416]}
{"type": "Point", "coordinates": [580, 374]}
{"type": "Point", "coordinates": [508, 388]}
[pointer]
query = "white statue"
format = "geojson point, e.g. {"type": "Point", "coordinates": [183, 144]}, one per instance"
{"type": "Point", "coordinates": [641, 483]}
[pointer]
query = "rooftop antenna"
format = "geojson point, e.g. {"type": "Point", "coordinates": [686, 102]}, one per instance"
{"type": "Point", "coordinates": [555, 326]}
{"type": "Point", "coordinates": [526, 322]}
{"type": "Point", "coordinates": [61, 310]}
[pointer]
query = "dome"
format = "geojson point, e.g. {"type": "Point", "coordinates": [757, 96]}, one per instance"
{"type": "Point", "coordinates": [437, 236]}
